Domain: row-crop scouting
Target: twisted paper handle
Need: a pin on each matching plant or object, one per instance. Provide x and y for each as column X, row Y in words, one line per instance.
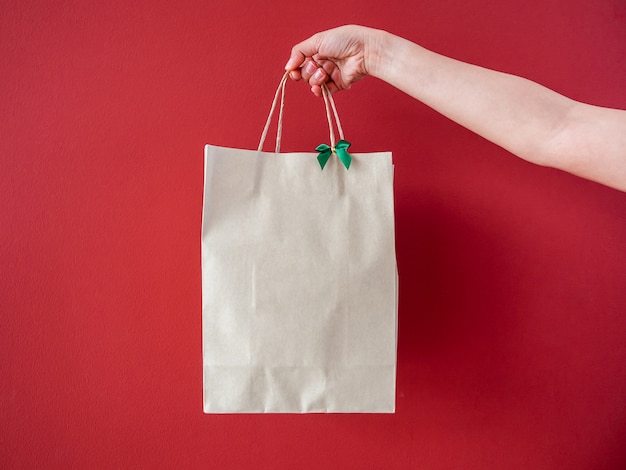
column 339, row 148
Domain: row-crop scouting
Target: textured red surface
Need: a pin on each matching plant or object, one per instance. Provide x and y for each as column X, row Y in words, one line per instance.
column 513, row 277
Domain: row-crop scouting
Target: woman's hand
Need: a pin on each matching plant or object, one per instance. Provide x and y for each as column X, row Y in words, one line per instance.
column 338, row 57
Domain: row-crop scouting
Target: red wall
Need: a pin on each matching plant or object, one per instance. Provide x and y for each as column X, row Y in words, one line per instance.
column 512, row 322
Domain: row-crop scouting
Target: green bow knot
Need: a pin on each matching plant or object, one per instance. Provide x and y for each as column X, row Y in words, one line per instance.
column 340, row 149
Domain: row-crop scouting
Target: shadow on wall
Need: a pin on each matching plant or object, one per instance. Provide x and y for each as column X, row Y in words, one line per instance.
column 456, row 279
column 461, row 302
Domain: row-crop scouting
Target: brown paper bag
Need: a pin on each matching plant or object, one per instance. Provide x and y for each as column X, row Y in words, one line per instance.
column 299, row 280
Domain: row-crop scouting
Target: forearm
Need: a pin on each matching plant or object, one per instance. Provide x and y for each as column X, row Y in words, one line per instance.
column 531, row 121
column 515, row 113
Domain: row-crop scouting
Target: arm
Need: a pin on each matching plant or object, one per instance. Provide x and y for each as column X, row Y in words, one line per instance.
column 527, row 119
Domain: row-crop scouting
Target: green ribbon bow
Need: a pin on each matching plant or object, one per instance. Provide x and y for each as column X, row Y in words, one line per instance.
column 340, row 149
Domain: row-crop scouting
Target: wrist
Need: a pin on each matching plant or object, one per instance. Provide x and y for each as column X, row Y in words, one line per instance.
column 377, row 53
column 397, row 61
column 386, row 54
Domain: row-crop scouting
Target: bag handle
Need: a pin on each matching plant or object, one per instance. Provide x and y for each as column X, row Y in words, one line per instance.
column 280, row 91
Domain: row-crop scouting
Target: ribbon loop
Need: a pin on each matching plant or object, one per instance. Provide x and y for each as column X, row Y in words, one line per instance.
column 341, row 150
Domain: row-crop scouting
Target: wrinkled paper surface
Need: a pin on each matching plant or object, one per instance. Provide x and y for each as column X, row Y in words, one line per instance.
column 299, row 283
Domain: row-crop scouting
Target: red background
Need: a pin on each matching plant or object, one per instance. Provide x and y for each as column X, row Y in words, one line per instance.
column 513, row 300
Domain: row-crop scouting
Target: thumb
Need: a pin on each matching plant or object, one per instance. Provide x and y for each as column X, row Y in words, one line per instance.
column 301, row 51
column 295, row 61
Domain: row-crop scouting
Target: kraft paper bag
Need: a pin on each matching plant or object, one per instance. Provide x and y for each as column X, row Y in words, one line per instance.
column 299, row 279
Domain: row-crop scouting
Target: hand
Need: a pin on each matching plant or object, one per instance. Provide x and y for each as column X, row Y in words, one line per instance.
column 338, row 57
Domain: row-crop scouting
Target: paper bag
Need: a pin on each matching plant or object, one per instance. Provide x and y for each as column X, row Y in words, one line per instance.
column 299, row 280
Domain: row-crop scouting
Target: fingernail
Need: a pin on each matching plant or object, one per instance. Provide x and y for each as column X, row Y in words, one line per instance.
column 290, row 64
column 319, row 75
column 310, row 67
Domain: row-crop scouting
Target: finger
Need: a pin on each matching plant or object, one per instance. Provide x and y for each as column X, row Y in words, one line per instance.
column 332, row 87
column 308, row 70
column 328, row 65
column 333, row 73
column 319, row 77
column 316, row 90
column 301, row 51
column 296, row 59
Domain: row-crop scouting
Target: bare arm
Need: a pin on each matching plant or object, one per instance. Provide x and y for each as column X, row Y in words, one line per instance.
column 527, row 119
